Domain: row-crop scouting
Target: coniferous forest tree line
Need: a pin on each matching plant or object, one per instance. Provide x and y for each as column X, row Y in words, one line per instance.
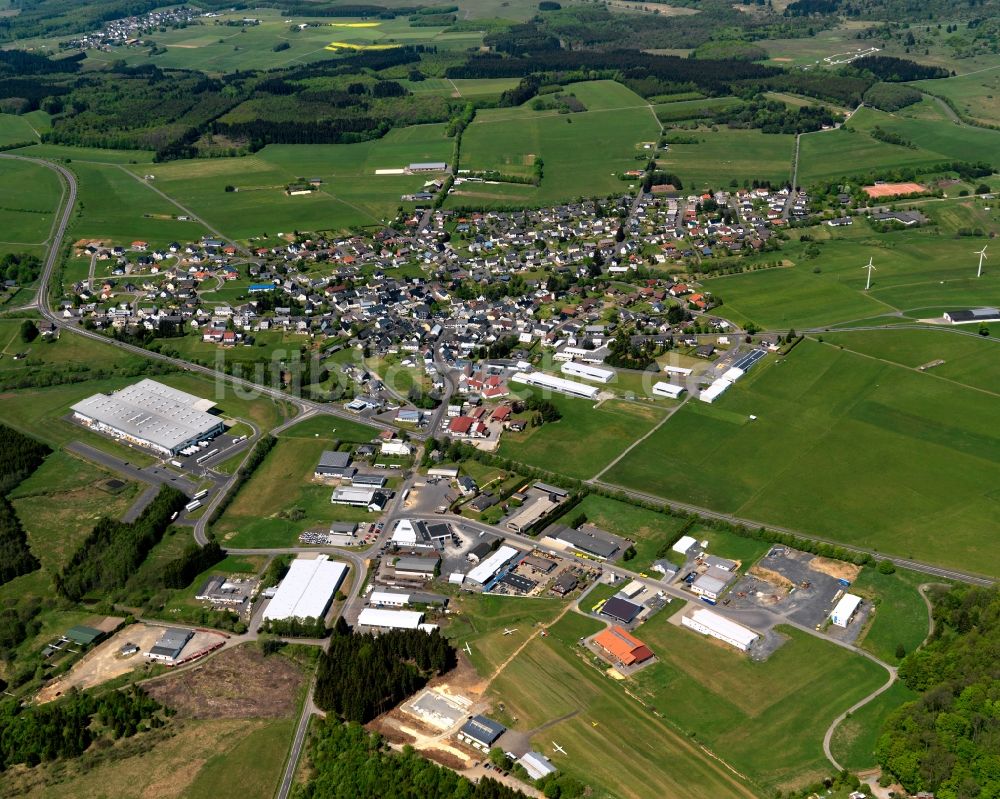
column 363, row 675
column 20, row 455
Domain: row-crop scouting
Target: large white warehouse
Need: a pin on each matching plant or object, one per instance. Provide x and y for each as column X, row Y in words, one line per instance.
column 390, row 619
column 307, row 590
column 553, row 383
column 587, row 372
column 845, row 609
column 714, row 391
column 706, row 622
column 151, row 415
column 489, row 567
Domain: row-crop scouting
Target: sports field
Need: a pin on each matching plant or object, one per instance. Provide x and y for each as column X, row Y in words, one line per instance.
column 351, row 193
column 585, row 439
column 844, row 446
column 919, row 274
column 723, row 699
column 724, row 155
column 31, row 195
column 552, row 683
column 582, row 153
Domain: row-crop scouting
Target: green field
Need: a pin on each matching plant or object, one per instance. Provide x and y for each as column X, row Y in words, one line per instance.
column 60, row 503
column 351, row 194
column 16, row 129
column 261, row 515
column 844, row 446
column 852, row 150
column 900, row 613
column 976, row 96
column 919, row 274
column 63, row 152
column 724, row 155
column 853, row 743
column 586, row 438
column 116, row 206
column 31, row 196
column 583, row 153
column 739, row 708
column 600, row 727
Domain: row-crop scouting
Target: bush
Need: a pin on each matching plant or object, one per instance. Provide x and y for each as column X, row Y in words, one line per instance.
column 886, row 567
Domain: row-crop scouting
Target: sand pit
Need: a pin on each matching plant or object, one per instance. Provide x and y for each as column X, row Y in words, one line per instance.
column 772, row 577
column 894, row 189
column 835, row 568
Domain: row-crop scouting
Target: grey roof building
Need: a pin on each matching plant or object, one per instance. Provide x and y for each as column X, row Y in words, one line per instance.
column 590, row 543
column 621, row 610
column 334, row 464
column 170, row 644
column 481, row 732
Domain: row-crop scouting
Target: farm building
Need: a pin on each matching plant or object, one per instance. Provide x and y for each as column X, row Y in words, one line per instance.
column 622, row 646
column 151, row 415
column 590, row 544
column 707, row 622
column 480, row 732
column 542, row 380
column 334, row 464
column 307, row 590
column 845, row 610
column 370, row 498
column 169, row 645
column 428, row 166
column 670, row 390
column 537, row 765
column 587, row 372
column 621, row 610
column 391, row 619
column 487, row 569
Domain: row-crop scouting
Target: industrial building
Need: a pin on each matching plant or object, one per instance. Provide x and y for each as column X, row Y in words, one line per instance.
column 587, row 372
column 169, row 646
column 487, row 569
column 553, row 383
column 416, row 533
column 712, row 583
column 357, row 497
column 590, row 544
column 622, row 646
column 621, row 610
column 307, row 590
column 428, row 166
column 410, row 567
column 669, row 390
column 391, row 619
column 707, row 622
column 537, row 765
column 334, row 464
column 151, row 415
column 400, row 599
column 480, row 732
column 845, row 610
column 535, row 510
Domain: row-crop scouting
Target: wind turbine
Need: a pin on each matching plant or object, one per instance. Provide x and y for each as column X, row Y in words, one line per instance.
column 982, row 257
column 871, row 268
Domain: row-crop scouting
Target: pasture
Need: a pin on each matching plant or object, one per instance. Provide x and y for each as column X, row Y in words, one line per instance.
column 31, row 196
column 975, row 95
column 117, row 207
column 919, row 274
column 351, row 194
column 585, row 439
column 844, row 446
column 852, row 150
column 722, row 699
column 583, row 153
column 552, row 682
column 724, row 155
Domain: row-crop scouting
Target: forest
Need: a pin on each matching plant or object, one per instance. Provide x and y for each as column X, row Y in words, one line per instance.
column 362, row 675
column 348, row 761
column 20, row 455
column 947, row 741
column 22, row 268
column 113, row 550
column 32, row 734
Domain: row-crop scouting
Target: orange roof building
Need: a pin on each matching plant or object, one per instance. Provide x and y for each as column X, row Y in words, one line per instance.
column 623, row 646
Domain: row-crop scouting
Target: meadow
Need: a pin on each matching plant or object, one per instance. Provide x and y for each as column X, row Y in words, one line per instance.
column 901, row 616
column 552, row 683
column 722, row 699
column 853, row 742
column 725, row 155
column 585, row 439
column 583, row 153
column 351, row 193
column 851, row 150
column 31, row 196
column 919, row 274
column 844, row 446
column 976, row 96
column 97, row 155
column 15, row 129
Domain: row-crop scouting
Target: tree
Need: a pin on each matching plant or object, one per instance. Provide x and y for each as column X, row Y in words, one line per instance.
column 28, row 331
column 629, row 553
column 900, row 651
column 886, row 567
column 984, row 329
